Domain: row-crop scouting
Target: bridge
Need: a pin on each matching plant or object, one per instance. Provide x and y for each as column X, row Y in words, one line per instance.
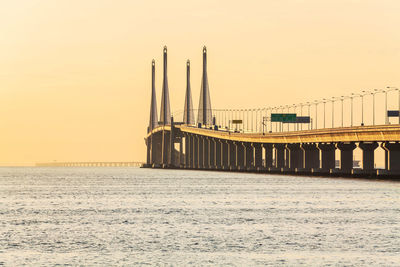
column 90, row 164
column 282, row 139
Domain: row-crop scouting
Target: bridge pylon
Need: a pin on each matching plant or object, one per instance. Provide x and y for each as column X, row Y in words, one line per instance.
column 165, row 113
column 205, row 113
column 188, row 115
column 153, row 104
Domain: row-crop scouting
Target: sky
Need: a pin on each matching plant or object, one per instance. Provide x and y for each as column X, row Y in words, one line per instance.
column 75, row 76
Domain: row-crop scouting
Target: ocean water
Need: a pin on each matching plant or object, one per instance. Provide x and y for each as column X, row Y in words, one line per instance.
column 131, row 216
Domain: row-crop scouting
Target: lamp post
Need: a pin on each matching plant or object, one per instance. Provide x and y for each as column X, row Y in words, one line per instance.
column 324, row 101
column 316, row 114
column 333, row 112
column 398, row 90
column 362, row 106
column 309, row 114
column 295, row 126
column 288, row 111
column 342, row 99
column 301, row 114
column 256, row 121
column 270, row 124
column 351, row 99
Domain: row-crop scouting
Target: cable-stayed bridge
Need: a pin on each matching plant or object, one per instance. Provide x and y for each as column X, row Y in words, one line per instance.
column 306, row 138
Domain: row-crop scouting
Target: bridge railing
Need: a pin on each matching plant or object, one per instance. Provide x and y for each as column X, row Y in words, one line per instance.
column 343, row 111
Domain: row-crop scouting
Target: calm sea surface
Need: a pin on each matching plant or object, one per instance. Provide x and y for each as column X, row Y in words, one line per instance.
column 130, row 216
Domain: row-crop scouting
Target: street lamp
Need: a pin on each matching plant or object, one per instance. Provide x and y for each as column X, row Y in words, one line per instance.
column 324, row 101
column 316, row 114
column 398, row 90
column 288, row 111
column 301, row 114
column 309, row 114
column 295, row 124
column 342, row 99
column 362, row 106
column 333, row 111
column 351, row 99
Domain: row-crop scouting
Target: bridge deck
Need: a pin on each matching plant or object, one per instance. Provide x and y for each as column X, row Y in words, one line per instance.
column 345, row 134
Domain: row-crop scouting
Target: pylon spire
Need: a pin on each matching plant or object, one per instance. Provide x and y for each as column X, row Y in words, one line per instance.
column 165, row 116
column 205, row 113
column 188, row 115
column 153, row 104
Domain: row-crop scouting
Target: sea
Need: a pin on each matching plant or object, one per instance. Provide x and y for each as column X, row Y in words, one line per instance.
column 111, row 216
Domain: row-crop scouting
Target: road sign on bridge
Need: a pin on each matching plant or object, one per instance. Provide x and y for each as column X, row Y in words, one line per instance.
column 283, row 117
column 303, row 119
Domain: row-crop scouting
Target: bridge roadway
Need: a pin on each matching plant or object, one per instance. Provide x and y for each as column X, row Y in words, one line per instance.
column 90, row 164
column 306, row 152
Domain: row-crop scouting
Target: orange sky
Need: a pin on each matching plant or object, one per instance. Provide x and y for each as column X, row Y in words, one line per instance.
column 75, row 75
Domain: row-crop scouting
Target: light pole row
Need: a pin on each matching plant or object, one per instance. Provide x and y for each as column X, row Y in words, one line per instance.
column 254, row 120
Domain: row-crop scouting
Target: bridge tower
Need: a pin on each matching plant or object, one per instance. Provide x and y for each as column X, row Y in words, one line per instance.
column 165, row 113
column 153, row 104
column 205, row 114
column 188, row 115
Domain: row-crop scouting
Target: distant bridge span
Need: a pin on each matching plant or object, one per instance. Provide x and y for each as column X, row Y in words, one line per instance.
column 90, row 164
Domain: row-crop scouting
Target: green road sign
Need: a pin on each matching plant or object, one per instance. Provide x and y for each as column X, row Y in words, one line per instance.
column 283, row 117
column 237, row 121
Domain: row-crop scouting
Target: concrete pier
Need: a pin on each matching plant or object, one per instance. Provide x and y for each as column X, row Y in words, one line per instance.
column 295, row 156
column 268, row 149
column 240, row 155
column 257, row 155
column 392, row 156
column 279, row 155
column 368, row 157
column 310, row 156
column 327, row 156
column 346, row 156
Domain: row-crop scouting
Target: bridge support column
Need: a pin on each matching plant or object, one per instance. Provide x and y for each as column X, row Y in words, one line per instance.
column 181, row 162
column 225, row 155
column 368, row 158
column 187, row 150
column 152, row 148
column 257, row 155
column 211, row 153
column 386, row 158
column 148, row 147
column 195, row 157
column 218, row 154
column 206, row 155
column 295, row 156
column 346, row 156
column 279, row 155
column 248, row 155
column 286, row 163
column 268, row 155
column 171, row 155
column 239, row 155
column 310, row 156
column 232, row 155
column 165, row 149
column 200, row 163
column 327, row 156
column 392, row 157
